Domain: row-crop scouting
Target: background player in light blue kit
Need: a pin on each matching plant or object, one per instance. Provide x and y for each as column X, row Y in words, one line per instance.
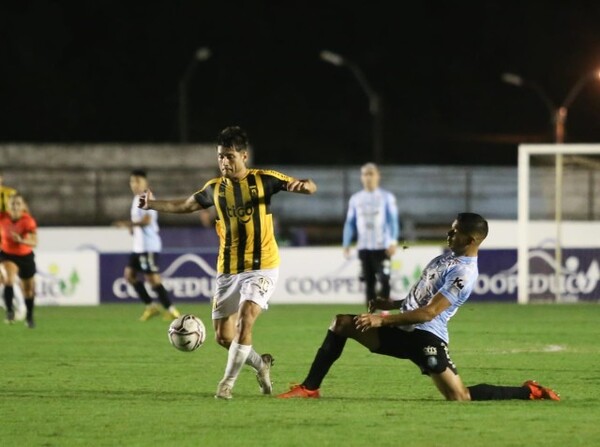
column 420, row 331
column 372, row 218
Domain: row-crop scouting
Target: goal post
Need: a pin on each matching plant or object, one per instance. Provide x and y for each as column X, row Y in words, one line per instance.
column 558, row 214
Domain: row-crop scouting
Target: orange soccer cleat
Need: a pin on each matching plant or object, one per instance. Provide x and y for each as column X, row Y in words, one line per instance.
column 539, row 392
column 299, row 391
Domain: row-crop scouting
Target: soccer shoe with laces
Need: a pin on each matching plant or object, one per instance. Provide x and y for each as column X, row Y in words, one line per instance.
column 171, row 315
column 263, row 376
column 299, row 391
column 223, row 391
column 539, row 392
column 149, row 312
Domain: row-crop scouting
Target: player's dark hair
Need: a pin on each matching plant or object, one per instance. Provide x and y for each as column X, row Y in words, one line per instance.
column 473, row 224
column 233, row 137
column 139, row 173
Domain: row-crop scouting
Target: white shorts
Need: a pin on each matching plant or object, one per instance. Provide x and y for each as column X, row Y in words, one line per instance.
column 256, row 286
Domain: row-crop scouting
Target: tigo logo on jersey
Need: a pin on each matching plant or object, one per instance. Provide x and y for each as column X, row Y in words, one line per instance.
column 242, row 213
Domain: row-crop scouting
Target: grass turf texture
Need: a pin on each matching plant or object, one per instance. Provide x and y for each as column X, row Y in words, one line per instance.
column 97, row 376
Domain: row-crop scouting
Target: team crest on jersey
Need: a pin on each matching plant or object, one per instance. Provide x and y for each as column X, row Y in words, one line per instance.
column 253, row 191
column 222, row 189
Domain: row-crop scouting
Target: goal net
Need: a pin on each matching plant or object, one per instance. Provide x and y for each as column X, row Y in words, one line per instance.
column 558, row 254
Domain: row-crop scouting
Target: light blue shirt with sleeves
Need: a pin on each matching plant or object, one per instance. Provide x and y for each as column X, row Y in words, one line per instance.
column 372, row 218
column 452, row 276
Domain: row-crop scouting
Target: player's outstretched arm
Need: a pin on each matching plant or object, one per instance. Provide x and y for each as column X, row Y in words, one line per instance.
column 178, row 206
column 302, row 186
column 436, row 306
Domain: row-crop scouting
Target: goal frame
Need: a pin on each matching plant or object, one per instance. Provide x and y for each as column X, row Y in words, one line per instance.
column 524, row 158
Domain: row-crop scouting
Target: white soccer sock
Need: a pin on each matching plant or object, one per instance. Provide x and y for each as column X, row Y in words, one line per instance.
column 235, row 360
column 254, row 360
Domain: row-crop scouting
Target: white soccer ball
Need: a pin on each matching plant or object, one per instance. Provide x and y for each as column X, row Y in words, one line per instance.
column 187, row 333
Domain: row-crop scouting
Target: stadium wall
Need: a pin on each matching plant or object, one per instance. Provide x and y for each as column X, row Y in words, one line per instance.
column 83, row 184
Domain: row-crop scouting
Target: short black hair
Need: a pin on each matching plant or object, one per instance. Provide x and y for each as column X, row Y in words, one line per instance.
column 473, row 224
column 233, row 137
column 138, row 173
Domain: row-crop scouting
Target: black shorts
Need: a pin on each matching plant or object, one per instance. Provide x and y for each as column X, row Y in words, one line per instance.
column 144, row 262
column 25, row 263
column 424, row 349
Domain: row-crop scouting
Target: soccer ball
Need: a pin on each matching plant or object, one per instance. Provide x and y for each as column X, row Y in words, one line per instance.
column 187, row 333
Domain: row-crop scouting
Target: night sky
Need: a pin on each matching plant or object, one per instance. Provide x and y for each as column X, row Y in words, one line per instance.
column 108, row 71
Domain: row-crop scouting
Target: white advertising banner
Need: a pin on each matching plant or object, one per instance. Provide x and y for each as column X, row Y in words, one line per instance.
column 323, row 275
column 67, row 278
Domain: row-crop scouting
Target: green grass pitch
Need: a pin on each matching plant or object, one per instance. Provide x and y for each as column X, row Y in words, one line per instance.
column 95, row 376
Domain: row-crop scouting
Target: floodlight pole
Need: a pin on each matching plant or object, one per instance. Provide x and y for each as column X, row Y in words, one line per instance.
column 200, row 55
column 375, row 106
column 558, row 116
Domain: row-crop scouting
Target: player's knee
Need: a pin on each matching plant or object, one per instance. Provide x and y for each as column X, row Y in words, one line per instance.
column 154, row 280
column 131, row 279
column 341, row 323
column 457, row 394
column 223, row 340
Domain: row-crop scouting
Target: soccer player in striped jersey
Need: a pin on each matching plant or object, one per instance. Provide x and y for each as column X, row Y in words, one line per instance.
column 5, row 193
column 248, row 260
column 419, row 332
column 373, row 218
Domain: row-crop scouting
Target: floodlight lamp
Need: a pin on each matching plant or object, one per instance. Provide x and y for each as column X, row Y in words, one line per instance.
column 332, row 58
column 514, row 79
column 202, row 54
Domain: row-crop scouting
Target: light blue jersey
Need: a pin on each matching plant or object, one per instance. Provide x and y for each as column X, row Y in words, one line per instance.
column 454, row 277
column 373, row 217
column 145, row 239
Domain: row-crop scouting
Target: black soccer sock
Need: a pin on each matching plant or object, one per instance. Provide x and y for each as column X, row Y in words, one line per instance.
column 328, row 353
column 383, row 277
column 494, row 392
column 141, row 291
column 29, row 304
column 370, row 289
column 163, row 296
column 9, row 294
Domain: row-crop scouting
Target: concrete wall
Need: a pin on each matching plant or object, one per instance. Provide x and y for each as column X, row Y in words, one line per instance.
column 81, row 184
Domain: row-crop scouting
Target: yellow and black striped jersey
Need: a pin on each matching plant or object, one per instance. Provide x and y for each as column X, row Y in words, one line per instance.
column 244, row 220
column 5, row 193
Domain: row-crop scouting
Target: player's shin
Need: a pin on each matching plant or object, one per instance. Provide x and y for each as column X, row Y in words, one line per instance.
column 328, row 353
column 236, row 358
column 493, row 392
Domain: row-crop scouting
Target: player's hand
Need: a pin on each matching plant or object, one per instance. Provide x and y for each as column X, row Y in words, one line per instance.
column 17, row 237
column 144, row 198
column 364, row 322
column 302, row 186
column 381, row 304
column 391, row 250
column 347, row 252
